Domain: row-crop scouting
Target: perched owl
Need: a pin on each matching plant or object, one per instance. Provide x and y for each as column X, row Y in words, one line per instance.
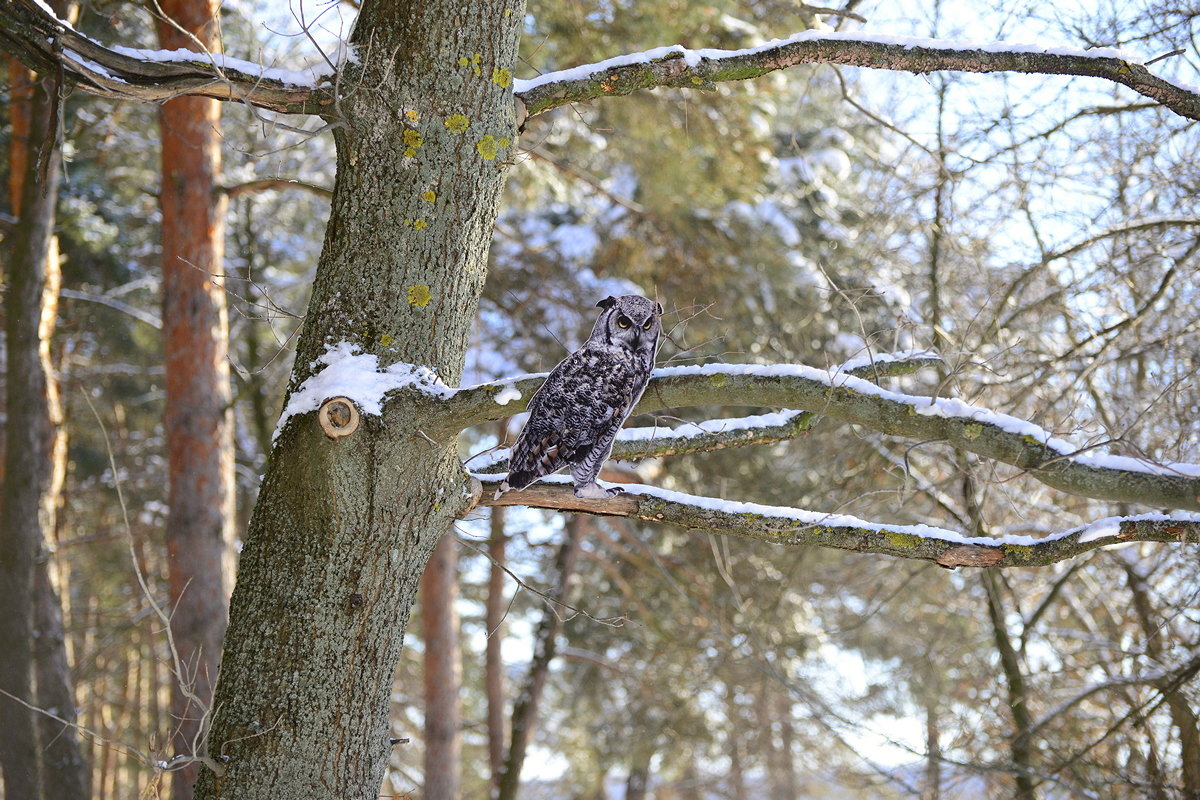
column 575, row 416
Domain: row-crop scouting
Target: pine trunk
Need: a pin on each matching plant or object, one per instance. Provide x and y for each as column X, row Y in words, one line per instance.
column 198, row 422
column 29, row 498
column 493, row 660
column 343, row 528
column 443, row 672
column 528, row 703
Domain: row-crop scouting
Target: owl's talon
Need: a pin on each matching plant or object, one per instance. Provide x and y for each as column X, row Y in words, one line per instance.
column 594, row 492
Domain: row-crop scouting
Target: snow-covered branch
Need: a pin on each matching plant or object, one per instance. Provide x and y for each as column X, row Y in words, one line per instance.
column 793, row 526
column 720, row 434
column 680, row 67
column 1053, row 461
column 487, row 402
column 31, row 33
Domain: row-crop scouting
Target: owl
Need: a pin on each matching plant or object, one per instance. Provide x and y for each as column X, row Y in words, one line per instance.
column 575, row 416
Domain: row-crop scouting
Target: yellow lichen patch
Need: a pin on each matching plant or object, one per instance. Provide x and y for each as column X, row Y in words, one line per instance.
column 502, row 77
column 457, row 123
column 504, row 142
column 1020, row 551
column 419, row 295
column 972, row 432
column 412, row 137
column 429, row 195
column 905, row 540
column 420, row 224
column 412, row 115
column 472, row 62
column 718, row 379
column 387, row 340
column 488, row 147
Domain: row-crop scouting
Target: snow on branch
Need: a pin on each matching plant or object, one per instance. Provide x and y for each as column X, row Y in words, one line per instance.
column 30, row 32
column 793, row 526
column 680, row 67
column 1051, row 460
column 718, row 434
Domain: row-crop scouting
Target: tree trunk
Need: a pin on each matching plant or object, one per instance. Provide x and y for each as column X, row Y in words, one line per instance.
column 66, row 774
column 343, row 529
column 932, row 788
column 1020, row 746
column 525, row 710
column 1183, row 716
column 443, row 672
column 493, row 660
column 198, row 423
column 638, row 780
column 28, row 502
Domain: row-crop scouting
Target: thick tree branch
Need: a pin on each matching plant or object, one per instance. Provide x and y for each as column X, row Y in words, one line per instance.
column 719, row 434
column 43, row 43
column 703, row 69
column 487, row 402
column 1013, row 441
column 791, row 526
column 1003, row 438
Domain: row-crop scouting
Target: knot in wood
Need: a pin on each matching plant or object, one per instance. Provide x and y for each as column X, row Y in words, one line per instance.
column 338, row 417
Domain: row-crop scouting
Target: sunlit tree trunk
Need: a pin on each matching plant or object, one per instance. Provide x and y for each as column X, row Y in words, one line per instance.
column 40, row 756
column 198, row 425
column 443, row 672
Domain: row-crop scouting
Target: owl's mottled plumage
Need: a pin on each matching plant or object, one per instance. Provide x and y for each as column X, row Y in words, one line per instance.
column 575, row 416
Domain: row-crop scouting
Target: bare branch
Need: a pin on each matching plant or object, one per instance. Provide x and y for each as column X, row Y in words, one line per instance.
column 679, row 67
column 265, row 184
column 791, row 526
column 43, row 43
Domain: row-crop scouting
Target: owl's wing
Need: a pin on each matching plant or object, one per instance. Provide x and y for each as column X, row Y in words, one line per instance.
column 543, row 447
column 581, row 404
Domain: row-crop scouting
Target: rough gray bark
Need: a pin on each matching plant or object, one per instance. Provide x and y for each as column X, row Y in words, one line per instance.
column 343, row 529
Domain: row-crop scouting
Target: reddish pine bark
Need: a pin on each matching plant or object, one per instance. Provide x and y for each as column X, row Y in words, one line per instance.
column 493, row 661
column 443, row 672
column 198, row 422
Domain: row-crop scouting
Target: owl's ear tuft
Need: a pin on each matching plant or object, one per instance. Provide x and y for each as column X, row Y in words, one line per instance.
column 658, row 309
column 607, row 302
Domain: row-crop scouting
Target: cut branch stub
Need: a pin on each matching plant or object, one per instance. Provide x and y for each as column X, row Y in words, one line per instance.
column 338, row 417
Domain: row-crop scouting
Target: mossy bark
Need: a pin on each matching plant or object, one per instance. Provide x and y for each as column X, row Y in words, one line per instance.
column 343, row 529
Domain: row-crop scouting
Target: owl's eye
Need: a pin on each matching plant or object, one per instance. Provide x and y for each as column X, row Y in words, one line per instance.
column 623, row 321
column 649, row 322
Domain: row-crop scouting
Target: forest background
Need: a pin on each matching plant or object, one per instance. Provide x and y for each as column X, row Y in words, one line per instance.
column 1037, row 232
